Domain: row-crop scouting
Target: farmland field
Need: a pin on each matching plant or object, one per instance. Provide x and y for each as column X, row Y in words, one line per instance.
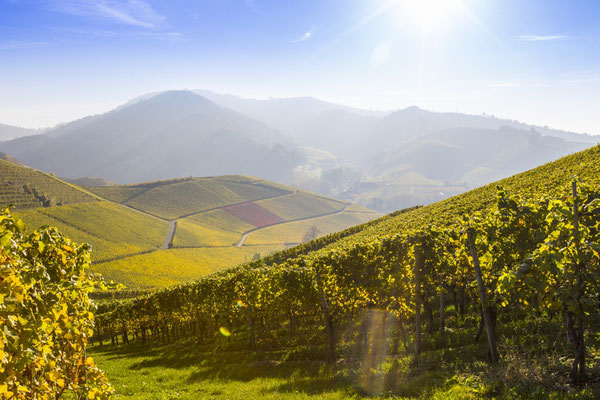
column 178, row 265
column 220, row 219
column 253, row 214
column 194, row 195
column 300, row 205
column 294, row 232
column 111, row 229
column 192, row 234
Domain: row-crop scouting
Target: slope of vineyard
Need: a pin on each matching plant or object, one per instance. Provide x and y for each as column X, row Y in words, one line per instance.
column 127, row 225
column 25, row 188
column 178, row 265
column 303, row 230
column 178, row 198
column 301, row 205
column 490, row 294
column 112, row 230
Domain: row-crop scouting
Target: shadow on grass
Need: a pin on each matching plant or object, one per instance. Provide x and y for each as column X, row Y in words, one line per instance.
column 311, row 377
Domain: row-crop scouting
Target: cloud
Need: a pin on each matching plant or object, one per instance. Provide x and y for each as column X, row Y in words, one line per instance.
column 128, row 12
column 505, row 85
column 306, row 36
column 22, row 44
column 540, row 38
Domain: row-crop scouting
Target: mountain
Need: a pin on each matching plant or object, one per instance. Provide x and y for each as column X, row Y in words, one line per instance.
column 383, row 161
column 175, row 133
column 8, row 132
column 171, row 231
column 406, row 157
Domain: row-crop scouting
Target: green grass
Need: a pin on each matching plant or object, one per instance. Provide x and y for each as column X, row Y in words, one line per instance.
column 26, row 188
column 300, row 205
column 111, row 229
column 189, row 370
column 294, row 232
column 170, row 267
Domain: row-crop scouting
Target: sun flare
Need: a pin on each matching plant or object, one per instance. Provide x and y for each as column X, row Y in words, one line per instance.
column 429, row 14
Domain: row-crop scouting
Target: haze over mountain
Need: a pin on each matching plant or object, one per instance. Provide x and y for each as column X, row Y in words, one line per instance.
column 172, row 134
column 406, row 157
column 8, row 132
column 385, row 161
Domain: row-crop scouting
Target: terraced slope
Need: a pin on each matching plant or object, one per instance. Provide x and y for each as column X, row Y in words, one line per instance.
column 26, row 188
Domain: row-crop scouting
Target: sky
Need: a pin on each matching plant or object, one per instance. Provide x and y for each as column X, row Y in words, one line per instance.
column 537, row 61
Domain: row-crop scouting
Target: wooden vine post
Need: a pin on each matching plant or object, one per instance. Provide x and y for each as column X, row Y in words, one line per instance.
column 489, row 328
column 418, row 268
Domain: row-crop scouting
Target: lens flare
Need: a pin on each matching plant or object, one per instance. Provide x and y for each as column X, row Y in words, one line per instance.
column 224, row 331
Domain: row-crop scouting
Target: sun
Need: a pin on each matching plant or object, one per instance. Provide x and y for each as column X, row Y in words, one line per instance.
column 429, row 15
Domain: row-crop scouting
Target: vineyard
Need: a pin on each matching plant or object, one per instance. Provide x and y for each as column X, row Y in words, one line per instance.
column 113, row 230
column 179, row 198
column 299, row 231
column 126, row 225
column 493, row 293
column 178, row 265
column 25, row 188
column 301, row 205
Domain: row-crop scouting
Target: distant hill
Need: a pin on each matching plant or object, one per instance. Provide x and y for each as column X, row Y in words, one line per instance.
column 171, row 231
column 382, row 161
column 174, row 133
column 406, row 157
column 8, row 132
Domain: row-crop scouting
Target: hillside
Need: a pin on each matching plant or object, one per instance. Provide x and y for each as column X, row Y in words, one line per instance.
column 394, row 303
column 165, row 232
column 25, row 188
column 218, row 222
column 175, row 133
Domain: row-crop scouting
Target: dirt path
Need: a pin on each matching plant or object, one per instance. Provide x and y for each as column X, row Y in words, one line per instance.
column 240, row 243
column 169, row 239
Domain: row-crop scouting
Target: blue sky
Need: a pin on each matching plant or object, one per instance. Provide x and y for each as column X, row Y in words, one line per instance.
column 537, row 60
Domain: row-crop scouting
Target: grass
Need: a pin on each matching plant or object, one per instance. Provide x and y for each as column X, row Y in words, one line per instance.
column 300, row 205
column 178, row 265
column 222, row 370
column 111, row 229
column 294, row 232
